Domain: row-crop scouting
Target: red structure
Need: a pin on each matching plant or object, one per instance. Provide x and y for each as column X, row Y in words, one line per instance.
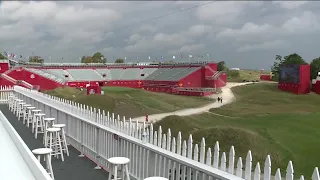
column 316, row 84
column 191, row 79
column 93, row 90
column 265, row 77
column 299, row 84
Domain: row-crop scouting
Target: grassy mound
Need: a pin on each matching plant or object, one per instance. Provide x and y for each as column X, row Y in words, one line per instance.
column 263, row 120
column 248, row 75
column 130, row 102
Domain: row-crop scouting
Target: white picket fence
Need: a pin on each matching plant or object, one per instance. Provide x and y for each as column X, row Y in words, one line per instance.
column 199, row 154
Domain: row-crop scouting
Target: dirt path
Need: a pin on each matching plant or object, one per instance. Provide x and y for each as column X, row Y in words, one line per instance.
column 226, row 95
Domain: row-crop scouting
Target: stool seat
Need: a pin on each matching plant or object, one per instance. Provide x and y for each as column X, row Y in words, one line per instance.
column 22, row 103
column 49, row 119
column 19, row 100
column 42, row 151
column 53, row 129
column 36, row 110
column 58, row 125
column 40, row 114
column 27, row 105
column 31, row 107
column 118, row 160
column 156, row 178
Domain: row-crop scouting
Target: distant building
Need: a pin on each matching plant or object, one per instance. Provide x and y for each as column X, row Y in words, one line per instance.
column 235, row 69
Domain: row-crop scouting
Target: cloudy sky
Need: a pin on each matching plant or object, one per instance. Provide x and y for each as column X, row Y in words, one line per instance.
column 243, row 34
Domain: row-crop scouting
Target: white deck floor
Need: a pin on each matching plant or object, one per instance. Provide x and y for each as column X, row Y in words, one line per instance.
column 12, row 164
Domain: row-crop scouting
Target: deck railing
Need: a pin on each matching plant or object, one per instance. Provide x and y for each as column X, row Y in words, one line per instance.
column 100, row 135
column 34, row 165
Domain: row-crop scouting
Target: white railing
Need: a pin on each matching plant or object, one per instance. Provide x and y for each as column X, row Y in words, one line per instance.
column 34, row 165
column 100, row 136
column 14, row 81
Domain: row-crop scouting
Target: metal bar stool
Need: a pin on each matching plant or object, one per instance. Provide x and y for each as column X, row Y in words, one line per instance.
column 29, row 116
column 46, row 152
column 39, row 124
column 33, row 119
column 48, row 122
column 20, row 110
column 156, row 178
column 123, row 163
column 55, row 142
column 63, row 137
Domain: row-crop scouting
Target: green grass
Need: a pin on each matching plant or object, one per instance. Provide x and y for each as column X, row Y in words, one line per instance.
column 249, row 75
column 263, row 120
column 130, row 102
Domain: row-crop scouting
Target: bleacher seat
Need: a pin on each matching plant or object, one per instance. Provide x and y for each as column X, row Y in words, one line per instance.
column 116, row 73
column 57, row 72
column 85, row 75
column 106, row 72
column 131, row 74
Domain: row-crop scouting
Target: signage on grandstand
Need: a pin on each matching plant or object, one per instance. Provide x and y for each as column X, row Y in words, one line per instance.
column 32, row 76
column 92, row 91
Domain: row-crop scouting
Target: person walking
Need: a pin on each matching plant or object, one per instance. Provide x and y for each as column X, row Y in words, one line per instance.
column 221, row 99
column 218, row 99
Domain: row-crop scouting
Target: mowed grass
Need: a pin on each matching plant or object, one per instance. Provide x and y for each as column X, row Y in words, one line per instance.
column 130, row 102
column 263, row 120
column 248, row 75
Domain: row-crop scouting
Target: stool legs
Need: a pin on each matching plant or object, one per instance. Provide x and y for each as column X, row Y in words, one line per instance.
column 39, row 124
column 48, row 164
column 64, row 141
column 55, row 145
column 125, row 172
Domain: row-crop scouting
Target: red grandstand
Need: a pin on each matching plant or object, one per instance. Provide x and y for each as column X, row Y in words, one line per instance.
column 192, row 79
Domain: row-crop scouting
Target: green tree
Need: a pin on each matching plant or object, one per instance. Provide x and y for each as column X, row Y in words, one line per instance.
column 280, row 61
column 36, row 59
column 314, row 68
column 2, row 56
column 119, row 60
column 96, row 58
column 221, row 66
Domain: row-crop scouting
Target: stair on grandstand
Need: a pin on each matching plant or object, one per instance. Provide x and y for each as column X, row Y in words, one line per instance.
column 84, row 75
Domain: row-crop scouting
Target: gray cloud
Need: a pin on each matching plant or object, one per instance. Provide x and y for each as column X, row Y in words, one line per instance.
column 244, row 34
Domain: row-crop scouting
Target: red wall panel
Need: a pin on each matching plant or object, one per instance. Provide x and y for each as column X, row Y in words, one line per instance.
column 194, row 79
column 4, row 67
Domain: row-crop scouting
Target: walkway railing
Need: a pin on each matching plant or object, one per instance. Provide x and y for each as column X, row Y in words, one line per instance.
column 34, row 165
column 101, row 135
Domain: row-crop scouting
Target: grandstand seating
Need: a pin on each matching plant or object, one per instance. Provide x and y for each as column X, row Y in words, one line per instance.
column 47, row 75
column 84, row 75
column 131, row 74
column 57, row 72
column 155, row 76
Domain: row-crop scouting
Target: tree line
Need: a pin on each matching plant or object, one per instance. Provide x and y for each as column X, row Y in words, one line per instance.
column 294, row 59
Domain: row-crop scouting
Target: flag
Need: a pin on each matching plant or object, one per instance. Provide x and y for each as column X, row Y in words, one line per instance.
column 181, row 56
column 149, row 57
column 173, row 57
column 161, row 57
column 137, row 58
column 6, row 54
column 125, row 58
column 190, row 56
column 20, row 56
